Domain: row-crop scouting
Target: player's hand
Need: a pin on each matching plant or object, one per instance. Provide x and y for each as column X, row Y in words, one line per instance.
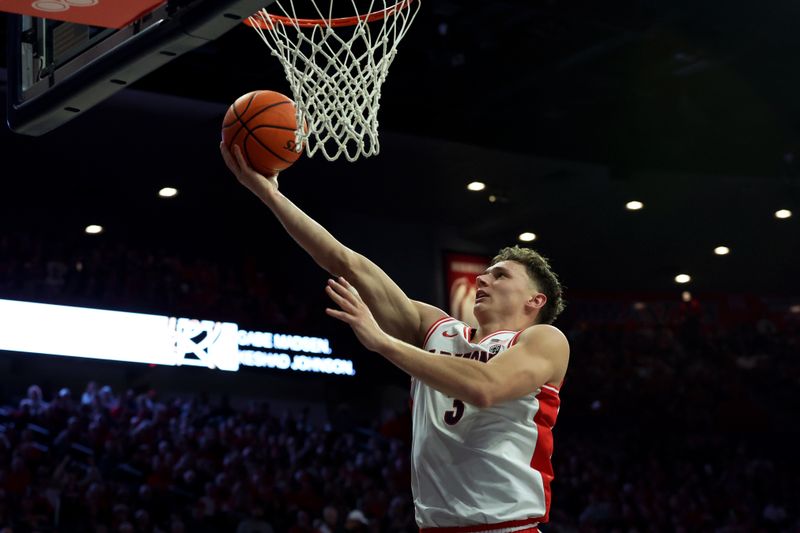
column 257, row 183
column 354, row 312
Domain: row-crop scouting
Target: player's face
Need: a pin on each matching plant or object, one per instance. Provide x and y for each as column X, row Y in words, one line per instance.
column 504, row 289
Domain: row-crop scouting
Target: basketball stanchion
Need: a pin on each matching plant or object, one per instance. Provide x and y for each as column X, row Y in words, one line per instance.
column 336, row 67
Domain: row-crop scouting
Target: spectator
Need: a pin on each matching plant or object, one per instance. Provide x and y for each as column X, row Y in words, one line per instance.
column 255, row 523
column 330, row 521
column 33, row 404
column 356, row 521
column 302, row 523
column 89, row 394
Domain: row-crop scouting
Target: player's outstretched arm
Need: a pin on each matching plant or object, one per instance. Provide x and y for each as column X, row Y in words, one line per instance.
column 394, row 311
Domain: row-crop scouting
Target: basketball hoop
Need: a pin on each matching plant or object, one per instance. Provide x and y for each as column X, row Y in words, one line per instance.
column 336, row 67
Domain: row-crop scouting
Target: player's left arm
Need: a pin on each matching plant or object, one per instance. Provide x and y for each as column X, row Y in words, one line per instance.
column 539, row 356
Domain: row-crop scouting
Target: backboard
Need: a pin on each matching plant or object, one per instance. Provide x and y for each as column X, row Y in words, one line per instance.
column 59, row 69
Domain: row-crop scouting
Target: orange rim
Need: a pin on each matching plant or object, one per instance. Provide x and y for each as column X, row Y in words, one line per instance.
column 332, row 23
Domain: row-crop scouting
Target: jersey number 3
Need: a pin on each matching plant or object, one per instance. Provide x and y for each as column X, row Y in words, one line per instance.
column 452, row 416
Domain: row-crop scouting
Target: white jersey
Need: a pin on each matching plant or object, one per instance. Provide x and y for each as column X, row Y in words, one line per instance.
column 473, row 467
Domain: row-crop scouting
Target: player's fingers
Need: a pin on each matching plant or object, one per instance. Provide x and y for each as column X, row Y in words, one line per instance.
column 346, row 284
column 338, row 298
column 227, row 157
column 243, row 164
column 352, row 293
column 335, row 313
column 348, row 294
column 339, row 288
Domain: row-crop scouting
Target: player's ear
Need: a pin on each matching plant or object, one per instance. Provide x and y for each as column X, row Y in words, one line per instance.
column 536, row 301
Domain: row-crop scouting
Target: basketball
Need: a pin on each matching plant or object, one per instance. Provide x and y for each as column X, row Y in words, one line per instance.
column 263, row 124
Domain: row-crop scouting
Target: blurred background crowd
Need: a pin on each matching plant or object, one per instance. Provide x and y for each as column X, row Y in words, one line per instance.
column 95, row 460
column 681, row 424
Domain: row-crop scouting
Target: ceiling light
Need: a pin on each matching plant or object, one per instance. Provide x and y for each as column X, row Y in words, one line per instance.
column 168, row 192
column 783, row 213
column 795, row 309
column 527, row 236
column 492, row 198
column 683, row 278
column 686, row 296
column 634, row 205
column 639, row 306
column 476, row 186
column 722, row 250
column 94, row 229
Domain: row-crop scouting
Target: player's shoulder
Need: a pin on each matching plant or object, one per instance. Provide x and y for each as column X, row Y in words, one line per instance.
column 430, row 317
column 544, row 335
column 547, row 342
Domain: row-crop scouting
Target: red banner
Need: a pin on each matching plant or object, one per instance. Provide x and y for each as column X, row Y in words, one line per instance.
column 103, row 13
column 461, row 271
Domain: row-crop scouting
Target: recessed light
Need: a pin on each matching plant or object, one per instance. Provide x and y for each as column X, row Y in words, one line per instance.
column 93, row 229
column 722, row 250
column 168, row 192
column 634, row 205
column 476, row 186
column 783, row 213
column 527, row 236
column 683, row 278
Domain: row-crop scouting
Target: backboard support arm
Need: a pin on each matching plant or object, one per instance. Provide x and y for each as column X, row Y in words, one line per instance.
column 37, row 106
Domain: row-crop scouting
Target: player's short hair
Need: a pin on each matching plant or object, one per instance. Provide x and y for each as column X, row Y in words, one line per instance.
column 539, row 270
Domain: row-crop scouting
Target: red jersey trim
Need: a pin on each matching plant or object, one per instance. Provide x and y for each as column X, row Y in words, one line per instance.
column 515, row 339
column 481, row 527
column 543, row 447
column 494, row 333
column 433, row 327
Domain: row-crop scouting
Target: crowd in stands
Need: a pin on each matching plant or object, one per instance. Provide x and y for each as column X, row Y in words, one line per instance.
column 677, row 425
column 103, row 462
column 655, row 434
column 683, row 426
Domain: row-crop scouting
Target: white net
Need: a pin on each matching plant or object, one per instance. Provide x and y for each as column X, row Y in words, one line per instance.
column 336, row 68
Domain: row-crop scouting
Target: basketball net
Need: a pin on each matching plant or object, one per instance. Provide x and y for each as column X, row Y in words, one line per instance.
column 336, row 67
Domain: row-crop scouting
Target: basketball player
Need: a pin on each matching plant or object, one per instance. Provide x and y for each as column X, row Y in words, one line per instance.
column 484, row 400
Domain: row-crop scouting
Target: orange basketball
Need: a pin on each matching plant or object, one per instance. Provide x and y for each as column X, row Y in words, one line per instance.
column 263, row 123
